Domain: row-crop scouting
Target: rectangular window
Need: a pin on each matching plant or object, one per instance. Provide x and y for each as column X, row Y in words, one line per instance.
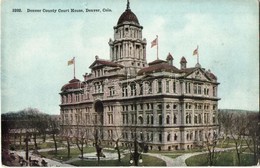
column 124, row 90
column 174, row 86
column 133, row 90
column 195, row 91
column 111, row 91
column 123, row 116
column 214, row 91
column 133, row 118
column 160, row 137
column 141, row 106
column 199, row 89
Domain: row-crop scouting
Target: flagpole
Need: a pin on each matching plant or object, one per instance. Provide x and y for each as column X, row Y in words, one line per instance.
column 74, row 66
column 198, row 54
column 157, row 46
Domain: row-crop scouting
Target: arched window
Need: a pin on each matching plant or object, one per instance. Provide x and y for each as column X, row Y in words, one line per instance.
column 187, row 118
column 175, row 137
column 168, row 119
column 140, row 118
column 147, row 119
column 174, row 119
column 168, row 137
column 160, row 119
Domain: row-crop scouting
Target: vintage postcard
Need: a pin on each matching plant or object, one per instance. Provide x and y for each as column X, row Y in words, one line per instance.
column 130, row 83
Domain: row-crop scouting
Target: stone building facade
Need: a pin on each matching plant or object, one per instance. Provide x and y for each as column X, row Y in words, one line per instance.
column 126, row 98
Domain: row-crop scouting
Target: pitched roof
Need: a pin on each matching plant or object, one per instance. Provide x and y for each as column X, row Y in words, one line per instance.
column 188, row 71
column 158, row 68
column 158, row 61
column 105, row 62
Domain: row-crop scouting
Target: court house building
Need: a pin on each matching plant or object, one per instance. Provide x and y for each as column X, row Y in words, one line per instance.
column 163, row 104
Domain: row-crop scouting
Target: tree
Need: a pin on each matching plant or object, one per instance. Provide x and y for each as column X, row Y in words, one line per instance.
column 238, row 132
column 115, row 136
column 211, row 143
column 66, row 133
column 252, row 132
column 38, row 123
column 81, row 138
column 54, row 129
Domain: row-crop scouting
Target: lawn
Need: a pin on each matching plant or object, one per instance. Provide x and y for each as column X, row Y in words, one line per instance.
column 62, row 154
column 147, row 161
column 223, row 159
column 39, row 145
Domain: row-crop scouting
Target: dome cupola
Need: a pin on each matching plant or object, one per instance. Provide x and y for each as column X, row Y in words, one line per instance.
column 128, row 16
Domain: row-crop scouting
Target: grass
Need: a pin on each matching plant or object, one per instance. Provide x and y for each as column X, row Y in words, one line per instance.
column 62, row 154
column 50, row 145
column 39, row 145
column 223, row 159
column 147, row 161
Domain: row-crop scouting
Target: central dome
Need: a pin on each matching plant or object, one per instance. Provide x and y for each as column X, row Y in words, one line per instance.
column 128, row 16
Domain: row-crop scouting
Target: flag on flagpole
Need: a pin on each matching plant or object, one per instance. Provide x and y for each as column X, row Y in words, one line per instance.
column 70, row 62
column 154, row 42
column 195, row 52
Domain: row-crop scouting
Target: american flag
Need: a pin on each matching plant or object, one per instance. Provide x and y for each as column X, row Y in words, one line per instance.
column 195, row 52
column 154, row 42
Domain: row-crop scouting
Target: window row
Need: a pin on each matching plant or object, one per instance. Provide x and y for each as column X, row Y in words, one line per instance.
column 148, row 120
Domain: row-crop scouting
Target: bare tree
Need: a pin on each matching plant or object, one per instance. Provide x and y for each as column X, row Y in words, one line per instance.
column 66, row 135
column 238, row 132
column 211, row 143
column 116, row 137
column 54, row 129
column 252, row 132
column 81, row 137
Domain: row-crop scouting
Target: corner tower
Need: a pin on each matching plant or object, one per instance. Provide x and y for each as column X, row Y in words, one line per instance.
column 128, row 48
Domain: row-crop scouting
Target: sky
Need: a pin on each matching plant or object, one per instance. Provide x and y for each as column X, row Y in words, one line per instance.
column 36, row 47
